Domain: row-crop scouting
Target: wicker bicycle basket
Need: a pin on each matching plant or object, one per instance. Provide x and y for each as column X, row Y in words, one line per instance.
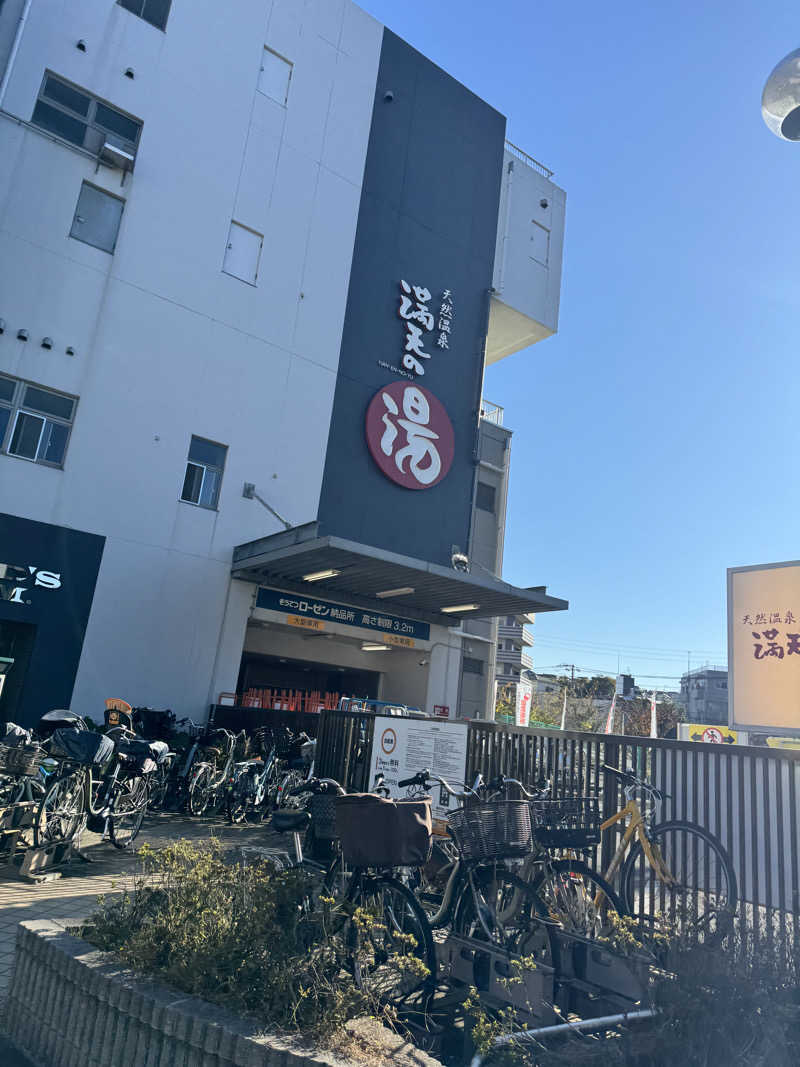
column 496, row 830
column 571, row 822
column 323, row 816
column 22, row 760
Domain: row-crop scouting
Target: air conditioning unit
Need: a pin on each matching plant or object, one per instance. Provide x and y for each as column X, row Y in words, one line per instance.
column 116, row 156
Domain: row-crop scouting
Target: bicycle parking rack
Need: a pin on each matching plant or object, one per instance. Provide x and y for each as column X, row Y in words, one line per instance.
column 39, row 864
column 14, row 818
column 26, row 862
column 469, row 962
column 588, row 973
column 592, row 980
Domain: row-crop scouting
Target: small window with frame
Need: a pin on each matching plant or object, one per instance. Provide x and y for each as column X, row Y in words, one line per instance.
column 470, row 665
column 485, row 497
column 77, row 116
column 156, row 12
column 203, row 478
column 35, row 423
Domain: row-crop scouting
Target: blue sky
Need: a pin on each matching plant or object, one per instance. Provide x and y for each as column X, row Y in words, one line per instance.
column 656, row 436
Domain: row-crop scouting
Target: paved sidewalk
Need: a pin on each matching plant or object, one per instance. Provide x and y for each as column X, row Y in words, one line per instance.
column 73, row 896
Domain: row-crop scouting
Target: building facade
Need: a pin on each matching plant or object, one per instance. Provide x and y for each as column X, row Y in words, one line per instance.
column 252, row 264
column 704, row 694
column 514, row 648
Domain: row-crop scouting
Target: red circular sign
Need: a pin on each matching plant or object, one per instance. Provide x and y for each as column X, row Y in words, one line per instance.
column 388, row 740
column 410, row 435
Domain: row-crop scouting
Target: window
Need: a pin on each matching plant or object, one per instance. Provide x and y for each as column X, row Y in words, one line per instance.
column 79, row 117
column 274, row 76
column 156, row 12
column 97, row 218
column 35, row 423
column 510, row 620
column 243, row 253
column 203, row 473
column 509, row 669
column 472, row 666
column 484, row 497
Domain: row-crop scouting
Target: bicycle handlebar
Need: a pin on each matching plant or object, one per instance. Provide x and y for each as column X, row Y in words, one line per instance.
column 317, row 785
column 424, row 778
column 632, row 781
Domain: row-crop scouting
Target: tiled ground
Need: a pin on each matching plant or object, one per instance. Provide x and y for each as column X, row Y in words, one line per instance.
column 73, row 896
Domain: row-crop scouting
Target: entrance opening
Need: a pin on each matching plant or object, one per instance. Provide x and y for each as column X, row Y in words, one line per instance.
column 16, row 645
column 279, row 680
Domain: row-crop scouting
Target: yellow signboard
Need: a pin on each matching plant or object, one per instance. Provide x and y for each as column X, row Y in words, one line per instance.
column 711, row 734
column 783, row 742
column 394, row 639
column 764, row 647
column 305, row 624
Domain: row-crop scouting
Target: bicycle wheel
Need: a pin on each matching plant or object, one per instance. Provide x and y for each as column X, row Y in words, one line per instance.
column 502, row 909
column 61, row 811
column 388, row 939
column 200, row 791
column 429, row 883
column 578, row 898
column 127, row 811
column 698, row 893
column 158, row 785
column 235, row 805
column 288, row 782
column 11, row 789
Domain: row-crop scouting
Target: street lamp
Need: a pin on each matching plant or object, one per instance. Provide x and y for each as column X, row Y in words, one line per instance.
column 780, row 101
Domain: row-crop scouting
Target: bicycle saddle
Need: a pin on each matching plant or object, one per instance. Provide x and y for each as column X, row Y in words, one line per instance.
column 290, row 822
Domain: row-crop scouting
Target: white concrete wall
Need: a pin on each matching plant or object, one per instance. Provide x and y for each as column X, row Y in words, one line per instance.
column 528, row 257
column 166, row 344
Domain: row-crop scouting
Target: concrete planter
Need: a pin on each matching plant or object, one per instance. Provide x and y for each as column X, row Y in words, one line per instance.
column 71, row 1005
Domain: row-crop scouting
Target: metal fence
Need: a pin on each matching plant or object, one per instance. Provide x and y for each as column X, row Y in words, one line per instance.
column 237, row 718
column 746, row 797
column 515, row 150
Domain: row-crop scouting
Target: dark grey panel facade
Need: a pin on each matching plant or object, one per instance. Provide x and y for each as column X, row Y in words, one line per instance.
column 428, row 215
column 47, row 580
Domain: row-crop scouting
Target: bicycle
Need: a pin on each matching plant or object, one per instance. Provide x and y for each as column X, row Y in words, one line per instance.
column 483, row 898
column 569, row 888
column 674, row 872
column 206, row 783
column 24, row 769
column 114, row 802
column 253, row 784
column 383, row 926
column 176, row 788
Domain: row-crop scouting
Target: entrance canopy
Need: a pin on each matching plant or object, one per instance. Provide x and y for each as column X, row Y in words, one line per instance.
column 302, row 561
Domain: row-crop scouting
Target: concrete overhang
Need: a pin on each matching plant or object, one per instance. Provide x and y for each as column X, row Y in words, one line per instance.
column 363, row 572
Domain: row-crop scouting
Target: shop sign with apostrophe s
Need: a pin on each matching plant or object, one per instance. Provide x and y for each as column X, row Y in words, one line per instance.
column 17, row 582
column 410, row 435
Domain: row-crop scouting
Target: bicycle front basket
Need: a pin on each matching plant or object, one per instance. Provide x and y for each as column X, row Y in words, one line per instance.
column 495, row 830
column 22, row 760
column 323, row 816
column 571, row 822
column 375, row 832
column 81, row 746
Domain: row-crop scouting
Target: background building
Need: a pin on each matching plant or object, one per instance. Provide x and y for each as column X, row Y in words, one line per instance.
column 704, row 695
column 252, row 261
column 514, row 647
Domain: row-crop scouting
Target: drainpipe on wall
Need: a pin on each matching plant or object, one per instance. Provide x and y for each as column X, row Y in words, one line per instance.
column 14, row 49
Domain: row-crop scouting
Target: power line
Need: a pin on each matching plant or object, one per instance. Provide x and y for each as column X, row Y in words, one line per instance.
column 578, row 642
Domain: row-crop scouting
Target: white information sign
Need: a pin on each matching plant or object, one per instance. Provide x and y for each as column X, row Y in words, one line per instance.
column 403, row 747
